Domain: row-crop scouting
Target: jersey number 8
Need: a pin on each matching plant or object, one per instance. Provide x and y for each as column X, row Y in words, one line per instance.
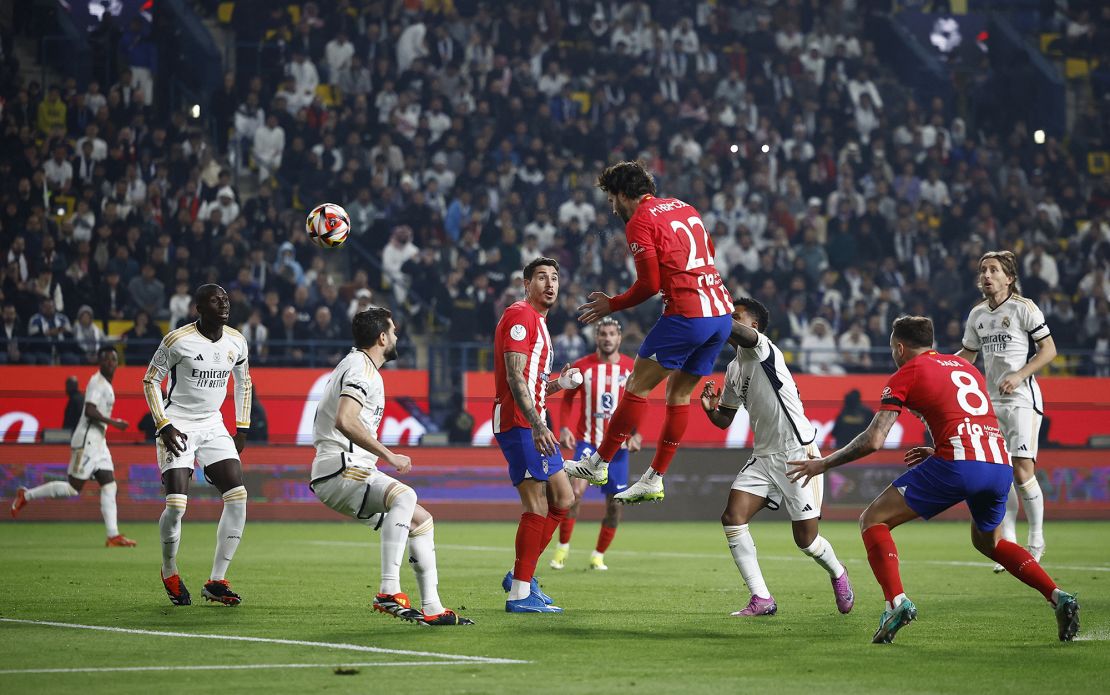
column 966, row 385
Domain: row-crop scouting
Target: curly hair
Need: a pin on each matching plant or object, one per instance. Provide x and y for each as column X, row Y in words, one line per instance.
column 630, row 179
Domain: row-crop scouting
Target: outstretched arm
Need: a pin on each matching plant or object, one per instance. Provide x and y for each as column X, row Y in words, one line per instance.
column 646, row 286
column 867, row 442
column 743, row 336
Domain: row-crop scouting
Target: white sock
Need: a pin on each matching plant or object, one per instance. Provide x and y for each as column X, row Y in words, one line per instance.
column 520, row 590
column 563, row 546
column 1009, row 521
column 594, row 553
column 891, row 605
column 650, row 476
column 395, row 536
column 422, row 556
column 108, row 508
column 230, row 530
column 169, row 528
column 742, row 545
column 822, row 551
column 1033, row 501
column 54, row 490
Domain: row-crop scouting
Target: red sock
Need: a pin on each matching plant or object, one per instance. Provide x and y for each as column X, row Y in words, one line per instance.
column 674, row 426
column 529, row 545
column 555, row 517
column 605, row 537
column 1021, row 564
column 625, row 418
column 883, row 556
column 566, row 529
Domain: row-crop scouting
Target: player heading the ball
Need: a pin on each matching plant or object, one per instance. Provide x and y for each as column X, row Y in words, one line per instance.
column 674, row 255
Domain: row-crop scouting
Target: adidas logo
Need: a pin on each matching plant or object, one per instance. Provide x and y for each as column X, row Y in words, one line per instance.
column 980, row 325
column 1022, row 448
column 198, row 358
column 807, row 508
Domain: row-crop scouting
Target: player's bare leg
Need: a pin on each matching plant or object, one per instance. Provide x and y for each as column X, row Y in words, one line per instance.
column 566, row 529
column 649, row 488
column 646, row 375
column 176, row 483
column 606, row 533
column 886, row 512
column 227, row 476
column 739, row 510
column 1020, row 563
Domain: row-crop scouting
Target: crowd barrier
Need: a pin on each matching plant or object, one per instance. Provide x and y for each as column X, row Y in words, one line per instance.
column 471, row 483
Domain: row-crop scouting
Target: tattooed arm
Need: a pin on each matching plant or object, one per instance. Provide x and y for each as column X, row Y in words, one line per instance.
column 868, row 442
column 545, row 440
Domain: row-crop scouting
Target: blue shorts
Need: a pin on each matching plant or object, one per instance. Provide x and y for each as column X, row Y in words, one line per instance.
column 692, row 345
column 618, row 468
column 524, row 460
column 936, row 484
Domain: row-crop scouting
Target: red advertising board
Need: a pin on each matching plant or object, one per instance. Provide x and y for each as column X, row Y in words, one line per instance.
column 33, row 399
column 1076, row 409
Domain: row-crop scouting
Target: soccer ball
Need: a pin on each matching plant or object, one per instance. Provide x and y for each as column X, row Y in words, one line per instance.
column 328, row 225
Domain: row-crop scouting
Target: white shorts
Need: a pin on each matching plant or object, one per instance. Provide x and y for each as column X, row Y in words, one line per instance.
column 1021, row 427
column 86, row 461
column 765, row 476
column 206, row 446
column 355, row 491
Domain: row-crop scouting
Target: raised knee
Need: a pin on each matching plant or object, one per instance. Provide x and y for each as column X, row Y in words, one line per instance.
column 399, row 493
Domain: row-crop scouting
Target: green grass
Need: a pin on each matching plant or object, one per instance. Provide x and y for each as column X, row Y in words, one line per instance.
column 656, row 622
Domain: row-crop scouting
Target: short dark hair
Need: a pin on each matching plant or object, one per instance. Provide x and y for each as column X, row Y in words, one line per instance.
column 106, row 348
column 367, row 326
column 204, row 291
column 530, row 269
column 914, row 331
column 630, row 179
column 756, row 308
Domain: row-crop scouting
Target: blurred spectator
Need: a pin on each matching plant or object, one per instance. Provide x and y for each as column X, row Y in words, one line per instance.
column 258, row 336
column 327, row 331
column 87, row 335
column 75, row 403
column 819, row 353
column 853, row 419
column 141, row 340
column 147, row 293
column 569, row 345
column 855, row 348
column 51, row 333
column 11, row 330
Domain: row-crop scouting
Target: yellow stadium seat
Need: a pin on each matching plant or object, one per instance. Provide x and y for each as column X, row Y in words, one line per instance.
column 294, row 13
column 1077, row 68
column 224, row 12
column 1098, row 163
column 117, row 327
column 1046, row 42
column 328, row 95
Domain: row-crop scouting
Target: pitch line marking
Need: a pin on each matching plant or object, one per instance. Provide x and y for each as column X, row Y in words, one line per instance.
column 224, row 667
column 272, row 640
column 712, row 556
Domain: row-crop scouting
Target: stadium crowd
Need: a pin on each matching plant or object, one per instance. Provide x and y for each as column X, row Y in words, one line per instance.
column 465, row 142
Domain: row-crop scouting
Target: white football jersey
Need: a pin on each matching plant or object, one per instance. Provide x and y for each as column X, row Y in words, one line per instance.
column 354, row 377
column 198, row 369
column 89, row 434
column 1003, row 336
column 757, row 378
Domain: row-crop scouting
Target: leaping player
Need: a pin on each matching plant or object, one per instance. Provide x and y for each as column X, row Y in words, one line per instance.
column 970, row 464
column 674, row 255
column 1001, row 327
column 604, row 374
column 758, row 379
column 199, row 358
column 522, row 360
column 89, row 455
column 345, row 473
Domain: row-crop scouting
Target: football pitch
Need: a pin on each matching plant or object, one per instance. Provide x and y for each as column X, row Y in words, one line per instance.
column 75, row 616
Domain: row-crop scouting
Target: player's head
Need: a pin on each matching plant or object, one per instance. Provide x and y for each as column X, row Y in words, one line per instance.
column 608, row 336
column 374, row 328
column 541, row 282
column 213, row 305
column 625, row 183
column 108, row 359
column 998, row 270
column 909, row 337
column 751, row 312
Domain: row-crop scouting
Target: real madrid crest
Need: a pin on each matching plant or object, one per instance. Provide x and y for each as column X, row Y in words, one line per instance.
column 1006, row 322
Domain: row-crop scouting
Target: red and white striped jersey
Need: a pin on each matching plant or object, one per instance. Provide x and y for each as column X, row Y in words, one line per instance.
column 673, row 232
column 601, row 390
column 951, row 396
column 521, row 329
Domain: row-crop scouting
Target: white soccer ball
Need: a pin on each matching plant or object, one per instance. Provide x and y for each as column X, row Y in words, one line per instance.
column 328, row 225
